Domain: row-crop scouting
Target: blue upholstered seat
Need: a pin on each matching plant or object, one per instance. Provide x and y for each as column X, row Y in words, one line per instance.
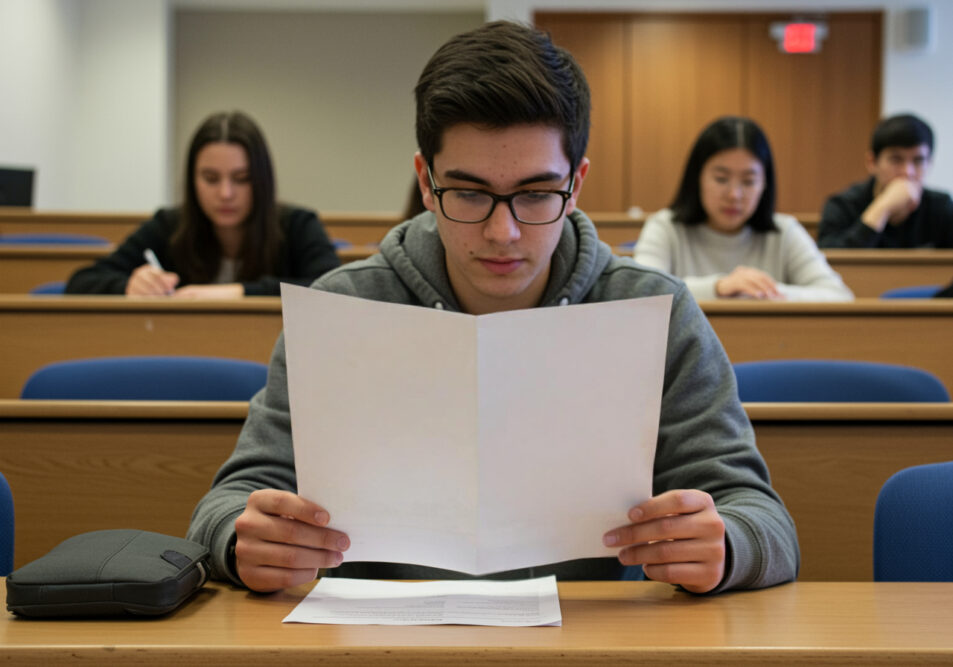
column 148, row 378
column 6, row 528
column 915, row 292
column 822, row 380
column 52, row 238
column 53, row 287
column 913, row 525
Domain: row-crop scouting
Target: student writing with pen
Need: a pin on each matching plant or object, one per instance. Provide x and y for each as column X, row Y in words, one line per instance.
column 229, row 238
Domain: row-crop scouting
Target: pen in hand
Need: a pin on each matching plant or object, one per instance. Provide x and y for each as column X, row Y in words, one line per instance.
column 153, row 261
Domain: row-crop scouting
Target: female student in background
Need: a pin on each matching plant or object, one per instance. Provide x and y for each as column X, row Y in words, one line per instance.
column 721, row 234
column 229, row 238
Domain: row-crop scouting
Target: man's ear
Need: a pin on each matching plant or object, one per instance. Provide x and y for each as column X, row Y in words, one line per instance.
column 581, row 172
column 870, row 162
column 423, row 182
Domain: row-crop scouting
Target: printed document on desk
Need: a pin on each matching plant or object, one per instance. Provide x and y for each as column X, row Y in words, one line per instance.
column 474, row 443
column 344, row 601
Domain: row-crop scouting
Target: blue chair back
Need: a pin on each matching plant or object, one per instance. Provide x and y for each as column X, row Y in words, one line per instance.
column 6, row 528
column 830, row 381
column 147, row 379
column 915, row 292
column 52, row 239
column 913, row 525
column 54, row 287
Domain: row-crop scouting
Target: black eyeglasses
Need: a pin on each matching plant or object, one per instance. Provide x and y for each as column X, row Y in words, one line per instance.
column 531, row 207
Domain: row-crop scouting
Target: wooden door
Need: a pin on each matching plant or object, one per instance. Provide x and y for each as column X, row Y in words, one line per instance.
column 665, row 76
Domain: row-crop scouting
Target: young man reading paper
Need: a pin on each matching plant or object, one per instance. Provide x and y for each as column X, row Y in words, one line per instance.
column 502, row 126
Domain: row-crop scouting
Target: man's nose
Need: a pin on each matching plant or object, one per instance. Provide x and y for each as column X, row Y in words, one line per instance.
column 501, row 226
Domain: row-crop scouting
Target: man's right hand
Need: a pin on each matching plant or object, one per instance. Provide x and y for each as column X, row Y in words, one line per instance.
column 283, row 540
column 899, row 198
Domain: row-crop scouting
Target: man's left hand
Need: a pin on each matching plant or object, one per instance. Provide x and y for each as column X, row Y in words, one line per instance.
column 678, row 537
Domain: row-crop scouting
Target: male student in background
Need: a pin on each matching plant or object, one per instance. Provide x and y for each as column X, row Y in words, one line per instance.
column 502, row 126
column 891, row 209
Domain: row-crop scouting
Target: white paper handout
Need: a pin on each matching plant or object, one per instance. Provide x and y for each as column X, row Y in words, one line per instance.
column 366, row 601
column 474, row 443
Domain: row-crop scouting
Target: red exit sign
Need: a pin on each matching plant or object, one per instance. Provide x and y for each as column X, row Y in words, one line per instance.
column 799, row 36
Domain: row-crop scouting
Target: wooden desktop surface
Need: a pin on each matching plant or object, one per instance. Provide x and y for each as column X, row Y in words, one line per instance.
column 76, row 466
column 603, row 623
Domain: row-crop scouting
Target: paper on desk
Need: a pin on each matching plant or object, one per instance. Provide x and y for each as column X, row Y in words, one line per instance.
column 365, row 601
column 475, row 444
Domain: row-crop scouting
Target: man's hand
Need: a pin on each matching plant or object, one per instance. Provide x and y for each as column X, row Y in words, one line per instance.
column 149, row 281
column 749, row 282
column 894, row 204
column 283, row 541
column 678, row 537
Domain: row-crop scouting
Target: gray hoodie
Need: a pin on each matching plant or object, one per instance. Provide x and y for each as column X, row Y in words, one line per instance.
column 705, row 440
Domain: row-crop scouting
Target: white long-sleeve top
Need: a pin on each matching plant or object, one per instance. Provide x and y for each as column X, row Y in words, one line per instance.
column 702, row 256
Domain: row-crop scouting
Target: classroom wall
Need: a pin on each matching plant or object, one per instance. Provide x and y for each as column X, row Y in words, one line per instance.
column 36, row 46
column 333, row 93
column 85, row 100
column 89, row 98
column 912, row 80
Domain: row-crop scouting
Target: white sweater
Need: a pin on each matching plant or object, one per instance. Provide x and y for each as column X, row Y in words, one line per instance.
column 701, row 256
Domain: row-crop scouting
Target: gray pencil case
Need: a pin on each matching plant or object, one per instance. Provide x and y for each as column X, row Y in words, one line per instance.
column 107, row 573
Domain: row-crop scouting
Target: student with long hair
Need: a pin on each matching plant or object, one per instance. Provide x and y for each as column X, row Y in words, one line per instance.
column 229, row 238
column 722, row 236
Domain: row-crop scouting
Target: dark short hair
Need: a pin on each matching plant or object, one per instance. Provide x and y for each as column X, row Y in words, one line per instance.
column 726, row 133
column 905, row 131
column 194, row 245
column 499, row 75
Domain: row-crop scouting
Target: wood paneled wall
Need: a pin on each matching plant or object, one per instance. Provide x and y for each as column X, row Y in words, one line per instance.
column 658, row 79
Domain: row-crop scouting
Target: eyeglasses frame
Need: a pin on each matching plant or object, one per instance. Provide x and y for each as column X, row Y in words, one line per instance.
column 508, row 198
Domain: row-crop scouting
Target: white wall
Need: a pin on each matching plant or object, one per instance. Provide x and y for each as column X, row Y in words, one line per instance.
column 36, row 80
column 918, row 82
column 120, row 149
column 86, row 100
column 332, row 92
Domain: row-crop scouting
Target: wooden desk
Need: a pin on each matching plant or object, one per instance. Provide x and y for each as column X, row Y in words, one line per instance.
column 113, row 227
column 24, row 267
column 39, row 330
column 604, row 623
column 828, row 462
column 360, row 228
column 76, row 466
column 901, row 331
column 869, row 273
column 357, row 227
column 616, row 228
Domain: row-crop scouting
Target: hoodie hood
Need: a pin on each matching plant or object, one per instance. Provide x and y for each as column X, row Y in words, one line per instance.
column 415, row 253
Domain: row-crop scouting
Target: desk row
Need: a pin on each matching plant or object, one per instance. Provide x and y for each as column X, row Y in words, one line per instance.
column 358, row 228
column 868, row 273
column 35, row 331
column 80, row 466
